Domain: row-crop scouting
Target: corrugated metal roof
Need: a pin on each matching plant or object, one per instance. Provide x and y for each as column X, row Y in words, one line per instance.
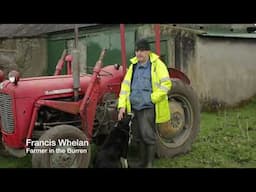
column 30, row 30
column 235, row 28
column 231, row 35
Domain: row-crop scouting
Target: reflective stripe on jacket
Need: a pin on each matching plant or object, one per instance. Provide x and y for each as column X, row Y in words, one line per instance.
column 161, row 84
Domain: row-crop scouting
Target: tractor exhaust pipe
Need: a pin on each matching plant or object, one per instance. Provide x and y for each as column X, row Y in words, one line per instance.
column 158, row 39
column 76, row 66
column 123, row 47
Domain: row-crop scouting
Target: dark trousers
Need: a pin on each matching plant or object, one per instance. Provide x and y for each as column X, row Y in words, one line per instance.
column 143, row 126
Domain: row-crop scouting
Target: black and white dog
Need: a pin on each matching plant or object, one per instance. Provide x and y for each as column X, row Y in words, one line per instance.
column 113, row 153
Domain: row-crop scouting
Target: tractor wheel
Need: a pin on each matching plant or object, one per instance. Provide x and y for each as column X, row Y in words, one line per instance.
column 176, row 136
column 69, row 148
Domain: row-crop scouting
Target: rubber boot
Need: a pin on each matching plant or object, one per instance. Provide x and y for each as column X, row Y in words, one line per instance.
column 149, row 156
column 142, row 156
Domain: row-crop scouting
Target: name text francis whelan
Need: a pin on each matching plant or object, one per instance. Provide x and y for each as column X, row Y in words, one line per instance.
column 58, row 142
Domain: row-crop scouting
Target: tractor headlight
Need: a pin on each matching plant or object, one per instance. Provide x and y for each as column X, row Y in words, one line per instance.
column 1, row 85
column 14, row 77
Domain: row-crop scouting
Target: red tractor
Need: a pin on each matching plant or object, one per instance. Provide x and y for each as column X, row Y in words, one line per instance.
column 57, row 118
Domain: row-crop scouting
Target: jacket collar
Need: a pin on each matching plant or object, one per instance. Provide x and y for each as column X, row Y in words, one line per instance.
column 152, row 57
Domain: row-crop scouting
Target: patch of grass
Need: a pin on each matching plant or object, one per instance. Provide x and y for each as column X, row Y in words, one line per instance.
column 12, row 162
column 227, row 139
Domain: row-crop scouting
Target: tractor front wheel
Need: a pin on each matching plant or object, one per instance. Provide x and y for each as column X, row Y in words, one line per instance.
column 67, row 147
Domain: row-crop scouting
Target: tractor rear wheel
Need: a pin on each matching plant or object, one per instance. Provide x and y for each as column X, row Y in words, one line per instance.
column 176, row 136
column 69, row 148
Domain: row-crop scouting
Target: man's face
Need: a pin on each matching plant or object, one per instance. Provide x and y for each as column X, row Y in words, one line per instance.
column 142, row 55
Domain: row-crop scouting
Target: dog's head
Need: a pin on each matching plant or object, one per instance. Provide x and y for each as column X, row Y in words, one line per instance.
column 125, row 123
column 119, row 134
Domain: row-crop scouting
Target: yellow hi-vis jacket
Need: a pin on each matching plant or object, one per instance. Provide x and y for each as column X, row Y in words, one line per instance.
column 161, row 84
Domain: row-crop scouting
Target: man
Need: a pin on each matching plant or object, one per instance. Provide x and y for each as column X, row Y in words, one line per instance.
column 144, row 92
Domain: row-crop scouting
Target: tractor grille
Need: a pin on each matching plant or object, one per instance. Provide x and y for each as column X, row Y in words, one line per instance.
column 6, row 113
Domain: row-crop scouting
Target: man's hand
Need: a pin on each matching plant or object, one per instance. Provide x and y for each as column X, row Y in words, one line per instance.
column 121, row 113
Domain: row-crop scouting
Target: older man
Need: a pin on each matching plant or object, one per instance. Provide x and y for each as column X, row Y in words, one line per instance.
column 144, row 92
